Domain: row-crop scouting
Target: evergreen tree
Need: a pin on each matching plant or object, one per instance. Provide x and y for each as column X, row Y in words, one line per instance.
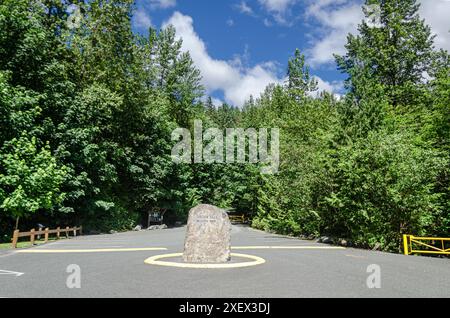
column 299, row 82
column 395, row 52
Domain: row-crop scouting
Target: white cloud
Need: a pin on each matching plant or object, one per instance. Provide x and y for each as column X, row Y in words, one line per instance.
column 141, row 20
column 267, row 23
column 243, row 7
column 436, row 14
column 252, row 82
column 327, row 86
column 230, row 22
column 332, row 87
column 279, row 6
column 235, row 81
column 337, row 18
column 279, row 9
column 217, row 102
column 163, row 4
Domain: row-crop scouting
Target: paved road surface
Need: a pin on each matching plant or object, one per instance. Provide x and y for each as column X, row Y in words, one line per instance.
column 311, row 272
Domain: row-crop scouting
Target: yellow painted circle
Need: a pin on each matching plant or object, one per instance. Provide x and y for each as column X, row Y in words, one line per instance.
column 156, row 260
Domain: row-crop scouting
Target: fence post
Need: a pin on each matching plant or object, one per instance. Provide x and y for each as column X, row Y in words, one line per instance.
column 405, row 244
column 67, row 232
column 81, row 230
column 15, row 239
column 46, row 235
column 58, row 231
column 32, row 237
column 74, row 232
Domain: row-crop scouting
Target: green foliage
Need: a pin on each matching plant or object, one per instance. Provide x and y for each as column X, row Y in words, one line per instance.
column 382, row 188
column 19, row 109
column 30, row 179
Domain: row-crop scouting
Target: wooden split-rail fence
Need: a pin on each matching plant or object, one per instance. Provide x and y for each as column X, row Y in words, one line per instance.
column 33, row 233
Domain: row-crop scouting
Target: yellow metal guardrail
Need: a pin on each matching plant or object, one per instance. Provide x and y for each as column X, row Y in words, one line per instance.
column 426, row 245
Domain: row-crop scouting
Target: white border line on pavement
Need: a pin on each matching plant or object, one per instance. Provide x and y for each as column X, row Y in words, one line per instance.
column 4, row 272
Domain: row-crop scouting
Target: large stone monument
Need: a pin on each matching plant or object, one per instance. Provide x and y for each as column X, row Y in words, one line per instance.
column 208, row 236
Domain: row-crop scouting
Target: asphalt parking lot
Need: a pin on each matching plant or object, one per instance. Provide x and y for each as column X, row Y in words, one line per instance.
column 113, row 266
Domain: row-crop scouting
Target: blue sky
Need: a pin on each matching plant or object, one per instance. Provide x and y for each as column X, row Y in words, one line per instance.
column 241, row 46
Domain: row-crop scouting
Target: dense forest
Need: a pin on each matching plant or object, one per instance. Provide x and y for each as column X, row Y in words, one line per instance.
column 88, row 107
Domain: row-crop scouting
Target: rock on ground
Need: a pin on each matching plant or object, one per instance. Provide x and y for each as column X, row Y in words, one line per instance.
column 208, row 235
